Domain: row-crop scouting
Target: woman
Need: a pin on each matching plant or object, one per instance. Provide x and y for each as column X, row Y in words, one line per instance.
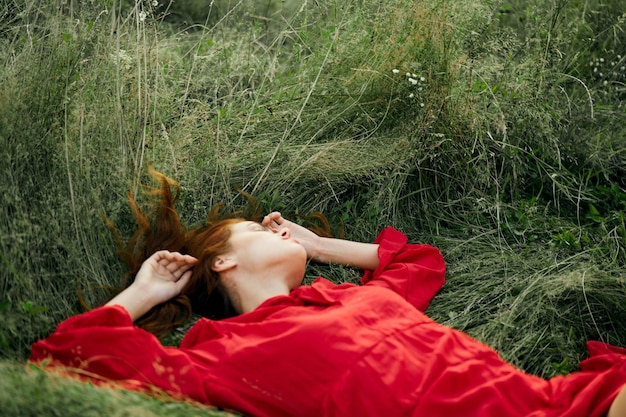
column 318, row 350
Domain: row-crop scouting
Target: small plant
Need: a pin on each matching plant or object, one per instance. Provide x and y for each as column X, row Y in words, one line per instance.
column 415, row 88
column 608, row 76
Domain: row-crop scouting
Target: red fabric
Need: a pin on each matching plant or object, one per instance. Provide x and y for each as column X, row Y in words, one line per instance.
column 337, row 350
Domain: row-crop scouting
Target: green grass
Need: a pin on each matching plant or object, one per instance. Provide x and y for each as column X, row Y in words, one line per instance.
column 35, row 393
column 506, row 152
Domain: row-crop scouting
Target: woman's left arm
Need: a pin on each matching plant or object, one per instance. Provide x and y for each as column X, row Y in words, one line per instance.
column 415, row 271
column 324, row 249
column 346, row 252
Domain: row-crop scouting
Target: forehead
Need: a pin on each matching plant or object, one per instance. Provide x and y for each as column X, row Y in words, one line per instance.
column 243, row 226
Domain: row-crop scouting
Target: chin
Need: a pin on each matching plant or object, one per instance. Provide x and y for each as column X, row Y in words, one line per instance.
column 299, row 276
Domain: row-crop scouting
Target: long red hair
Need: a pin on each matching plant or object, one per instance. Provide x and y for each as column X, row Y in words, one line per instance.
column 160, row 229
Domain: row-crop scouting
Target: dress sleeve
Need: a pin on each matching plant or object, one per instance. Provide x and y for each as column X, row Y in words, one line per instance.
column 415, row 271
column 102, row 345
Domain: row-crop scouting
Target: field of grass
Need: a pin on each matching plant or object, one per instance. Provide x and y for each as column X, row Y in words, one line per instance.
column 495, row 131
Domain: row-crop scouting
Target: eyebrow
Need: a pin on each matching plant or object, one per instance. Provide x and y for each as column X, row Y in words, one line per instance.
column 252, row 225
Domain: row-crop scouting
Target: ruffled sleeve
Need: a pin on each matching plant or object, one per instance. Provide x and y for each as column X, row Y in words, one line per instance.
column 415, row 271
column 603, row 356
column 102, row 345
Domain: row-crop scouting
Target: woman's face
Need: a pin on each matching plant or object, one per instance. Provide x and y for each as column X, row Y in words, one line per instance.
column 259, row 249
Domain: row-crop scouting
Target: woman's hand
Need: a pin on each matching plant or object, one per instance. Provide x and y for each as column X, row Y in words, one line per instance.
column 161, row 277
column 164, row 274
column 309, row 240
column 327, row 249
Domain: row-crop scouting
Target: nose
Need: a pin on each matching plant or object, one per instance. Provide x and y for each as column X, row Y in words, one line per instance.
column 284, row 233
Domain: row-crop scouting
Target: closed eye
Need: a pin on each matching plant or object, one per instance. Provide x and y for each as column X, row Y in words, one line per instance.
column 257, row 227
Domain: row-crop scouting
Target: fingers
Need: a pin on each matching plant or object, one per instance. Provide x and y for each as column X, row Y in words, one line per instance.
column 272, row 217
column 175, row 263
column 171, row 259
column 184, row 279
column 273, row 220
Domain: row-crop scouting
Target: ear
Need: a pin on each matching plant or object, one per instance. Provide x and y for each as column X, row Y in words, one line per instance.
column 223, row 263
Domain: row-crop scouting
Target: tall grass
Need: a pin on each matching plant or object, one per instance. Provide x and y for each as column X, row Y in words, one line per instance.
column 498, row 137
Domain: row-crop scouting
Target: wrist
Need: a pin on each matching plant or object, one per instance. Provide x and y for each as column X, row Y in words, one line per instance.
column 316, row 249
column 136, row 299
column 324, row 248
column 143, row 294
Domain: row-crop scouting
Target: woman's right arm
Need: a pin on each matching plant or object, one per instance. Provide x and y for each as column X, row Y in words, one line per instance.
column 103, row 344
column 161, row 278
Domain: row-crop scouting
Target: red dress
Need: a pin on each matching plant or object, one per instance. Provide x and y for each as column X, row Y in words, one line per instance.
column 336, row 350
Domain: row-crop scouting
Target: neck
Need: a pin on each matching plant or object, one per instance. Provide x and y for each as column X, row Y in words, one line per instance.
column 248, row 291
column 250, row 298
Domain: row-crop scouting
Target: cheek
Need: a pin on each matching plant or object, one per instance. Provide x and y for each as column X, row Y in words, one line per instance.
column 289, row 253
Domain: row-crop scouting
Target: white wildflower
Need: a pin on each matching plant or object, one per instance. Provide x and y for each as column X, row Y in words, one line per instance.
column 412, row 81
column 422, row 79
column 408, row 74
column 395, row 71
column 421, row 104
column 411, row 95
column 155, row 3
column 122, row 58
column 142, row 16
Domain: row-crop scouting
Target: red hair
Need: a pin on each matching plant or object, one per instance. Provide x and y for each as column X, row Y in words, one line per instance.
column 162, row 229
